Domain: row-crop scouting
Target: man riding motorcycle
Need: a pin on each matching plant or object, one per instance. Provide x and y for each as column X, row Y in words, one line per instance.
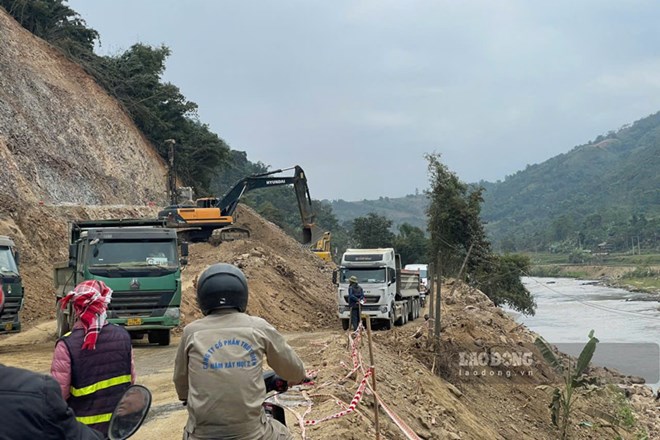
column 218, row 366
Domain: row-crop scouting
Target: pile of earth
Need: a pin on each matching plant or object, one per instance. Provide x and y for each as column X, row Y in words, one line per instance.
column 289, row 285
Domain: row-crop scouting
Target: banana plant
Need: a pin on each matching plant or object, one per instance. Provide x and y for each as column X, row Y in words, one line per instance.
column 563, row 399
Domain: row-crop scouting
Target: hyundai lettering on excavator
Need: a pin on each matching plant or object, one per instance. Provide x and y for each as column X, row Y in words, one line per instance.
column 212, row 219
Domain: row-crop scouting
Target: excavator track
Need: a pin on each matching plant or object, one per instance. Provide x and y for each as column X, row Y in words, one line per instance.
column 229, row 233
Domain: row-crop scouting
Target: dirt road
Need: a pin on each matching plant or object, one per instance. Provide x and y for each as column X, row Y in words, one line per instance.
column 154, row 365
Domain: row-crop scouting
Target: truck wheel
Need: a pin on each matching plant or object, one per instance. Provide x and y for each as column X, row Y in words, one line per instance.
column 62, row 322
column 345, row 323
column 160, row 337
column 411, row 312
column 399, row 320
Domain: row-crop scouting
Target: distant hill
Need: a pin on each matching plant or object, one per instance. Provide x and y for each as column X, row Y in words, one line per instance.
column 607, row 190
column 409, row 209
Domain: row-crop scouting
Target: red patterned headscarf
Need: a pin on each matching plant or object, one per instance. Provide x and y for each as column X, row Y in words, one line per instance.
column 90, row 301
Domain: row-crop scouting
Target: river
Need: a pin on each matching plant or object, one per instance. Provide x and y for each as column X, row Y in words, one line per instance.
column 628, row 329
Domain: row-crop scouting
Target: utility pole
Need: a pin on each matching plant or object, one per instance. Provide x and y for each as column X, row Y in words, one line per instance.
column 171, row 176
column 429, row 294
column 436, row 329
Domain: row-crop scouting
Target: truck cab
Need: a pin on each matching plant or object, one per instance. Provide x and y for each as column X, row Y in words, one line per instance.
column 140, row 261
column 376, row 272
column 11, row 286
column 388, row 300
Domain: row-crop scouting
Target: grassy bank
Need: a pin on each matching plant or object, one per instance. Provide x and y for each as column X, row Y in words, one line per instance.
column 632, row 272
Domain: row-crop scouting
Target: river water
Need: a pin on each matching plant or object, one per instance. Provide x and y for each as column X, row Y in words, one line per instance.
column 628, row 329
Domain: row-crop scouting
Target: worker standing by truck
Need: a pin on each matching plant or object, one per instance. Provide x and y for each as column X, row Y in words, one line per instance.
column 355, row 300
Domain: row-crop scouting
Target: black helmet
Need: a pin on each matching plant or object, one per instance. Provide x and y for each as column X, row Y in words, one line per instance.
column 222, row 286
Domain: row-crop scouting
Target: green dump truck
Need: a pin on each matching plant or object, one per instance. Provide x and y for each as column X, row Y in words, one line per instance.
column 11, row 285
column 140, row 260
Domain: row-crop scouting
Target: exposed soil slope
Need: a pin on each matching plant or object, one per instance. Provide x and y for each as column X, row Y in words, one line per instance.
column 289, row 285
column 62, row 138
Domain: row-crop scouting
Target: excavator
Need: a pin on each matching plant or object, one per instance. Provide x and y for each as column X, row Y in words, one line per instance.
column 322, row 247
column 212, row 219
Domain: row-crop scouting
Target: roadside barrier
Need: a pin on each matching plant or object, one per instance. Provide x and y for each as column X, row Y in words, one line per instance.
column 364, row 386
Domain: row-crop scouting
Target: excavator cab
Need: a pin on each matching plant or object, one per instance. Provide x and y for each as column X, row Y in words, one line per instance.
column 207, row 202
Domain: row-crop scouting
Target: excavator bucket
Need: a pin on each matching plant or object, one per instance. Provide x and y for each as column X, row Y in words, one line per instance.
column 307, row 235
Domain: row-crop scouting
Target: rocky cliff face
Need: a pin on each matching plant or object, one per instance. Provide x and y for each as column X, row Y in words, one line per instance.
column 67, row 151
column 62, row 138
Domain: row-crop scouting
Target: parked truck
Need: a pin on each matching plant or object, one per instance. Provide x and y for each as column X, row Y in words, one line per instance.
column 391, row 297
column 140, row 260
column 422, row 269
column 11, row 286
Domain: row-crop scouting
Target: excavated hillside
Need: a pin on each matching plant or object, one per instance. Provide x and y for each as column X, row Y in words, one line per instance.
column 63, row 142
column 62, row 138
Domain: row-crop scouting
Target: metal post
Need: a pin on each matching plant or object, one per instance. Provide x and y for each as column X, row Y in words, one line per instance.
column 373, row 376
column 171, row 175
column 436, row 329
column 429, row 295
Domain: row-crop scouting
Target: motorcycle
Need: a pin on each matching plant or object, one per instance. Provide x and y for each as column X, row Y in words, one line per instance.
column 130, row 412
column 276, row 384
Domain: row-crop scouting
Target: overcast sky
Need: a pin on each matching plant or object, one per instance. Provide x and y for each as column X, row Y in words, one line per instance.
column 356, row 92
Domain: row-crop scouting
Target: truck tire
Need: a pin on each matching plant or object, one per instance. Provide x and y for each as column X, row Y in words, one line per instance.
column 399, row 320
column 160, row 337
column 411, row 312
column 388, row 323
column 345, row 323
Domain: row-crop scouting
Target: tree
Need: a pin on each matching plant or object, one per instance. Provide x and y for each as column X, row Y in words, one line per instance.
column 372, row 231
column 411, row 244
column 455, row 226
column 55, row 22
column 453, row 219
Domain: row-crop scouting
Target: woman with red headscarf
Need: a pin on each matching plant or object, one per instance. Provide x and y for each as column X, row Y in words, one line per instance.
column 94, row 362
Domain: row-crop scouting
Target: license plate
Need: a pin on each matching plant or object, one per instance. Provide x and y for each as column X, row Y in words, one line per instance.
column 9, row 326
column 134, row 321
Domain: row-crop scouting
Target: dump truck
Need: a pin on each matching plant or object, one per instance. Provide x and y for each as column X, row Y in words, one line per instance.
column 422, row 269
column 391, row 298
column 140, row 260
column 11, row 286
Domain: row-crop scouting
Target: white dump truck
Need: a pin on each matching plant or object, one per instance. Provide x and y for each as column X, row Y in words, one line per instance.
column 391, row 296
column 422, row 269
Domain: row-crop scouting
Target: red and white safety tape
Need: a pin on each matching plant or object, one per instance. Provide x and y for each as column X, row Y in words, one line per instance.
column 356, row 399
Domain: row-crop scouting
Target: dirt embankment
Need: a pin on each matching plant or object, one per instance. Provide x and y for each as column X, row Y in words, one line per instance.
column 62, row 138
column 291, row 288
column 289, row 285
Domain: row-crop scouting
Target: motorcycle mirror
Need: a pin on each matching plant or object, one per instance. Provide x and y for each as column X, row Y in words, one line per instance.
column 130, row 412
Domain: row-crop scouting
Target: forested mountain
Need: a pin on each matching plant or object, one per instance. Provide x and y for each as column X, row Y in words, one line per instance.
column 606, row 191
column 410, row 209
